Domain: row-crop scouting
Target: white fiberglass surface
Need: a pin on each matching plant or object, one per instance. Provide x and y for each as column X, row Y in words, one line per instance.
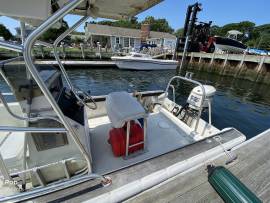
column 162, row 136
column 11, row 148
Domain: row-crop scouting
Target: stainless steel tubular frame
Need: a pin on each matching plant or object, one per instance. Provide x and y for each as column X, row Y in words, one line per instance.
column 39, row 191
column 55, row 45
column 10, row 46
column 194, row 82
column 29, row 43
column 173, row 91
column 32, row 129
column 10, row 60
column 58, row 40
column 2, row 63
column 29, row 119
column 2, row 98
column 42, row 166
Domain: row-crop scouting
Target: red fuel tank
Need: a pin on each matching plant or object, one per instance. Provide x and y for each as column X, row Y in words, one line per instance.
column 117, row 139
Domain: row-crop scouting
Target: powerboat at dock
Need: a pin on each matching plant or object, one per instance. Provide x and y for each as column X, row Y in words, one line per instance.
column 56, row 138
column 139, row 61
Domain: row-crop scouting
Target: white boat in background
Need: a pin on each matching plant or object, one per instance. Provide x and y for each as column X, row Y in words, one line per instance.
column 139, row 61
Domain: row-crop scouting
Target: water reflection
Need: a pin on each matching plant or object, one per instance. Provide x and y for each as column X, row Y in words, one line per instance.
column 237, row 103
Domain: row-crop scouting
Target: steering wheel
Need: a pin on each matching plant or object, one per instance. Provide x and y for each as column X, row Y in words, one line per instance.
column 83, row 97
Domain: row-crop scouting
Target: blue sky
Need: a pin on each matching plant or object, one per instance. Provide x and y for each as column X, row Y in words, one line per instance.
column 219, row 11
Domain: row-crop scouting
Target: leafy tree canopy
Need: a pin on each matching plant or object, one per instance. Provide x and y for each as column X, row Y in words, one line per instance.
column 160, row 25
column 51, row 34
column 5, row 33
column 179, row 32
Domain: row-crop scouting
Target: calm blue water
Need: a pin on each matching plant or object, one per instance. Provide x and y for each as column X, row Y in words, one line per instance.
column 237, row 103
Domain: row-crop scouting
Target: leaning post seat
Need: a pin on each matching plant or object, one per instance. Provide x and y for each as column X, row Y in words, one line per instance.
column 123, row 108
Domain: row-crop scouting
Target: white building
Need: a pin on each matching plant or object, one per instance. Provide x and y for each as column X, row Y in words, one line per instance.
column 112, row 37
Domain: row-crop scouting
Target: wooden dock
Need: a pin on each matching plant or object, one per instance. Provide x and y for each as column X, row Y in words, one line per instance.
column 255, row 68
column 83, row 64
column 225, row 59
column 251, row 167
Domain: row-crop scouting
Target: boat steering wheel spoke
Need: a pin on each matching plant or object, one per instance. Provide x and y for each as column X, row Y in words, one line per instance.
column 84, row 97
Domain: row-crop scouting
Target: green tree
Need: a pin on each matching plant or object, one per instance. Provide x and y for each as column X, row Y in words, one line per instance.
column 133, row 23
column 126, row 24
column 160, row 24
column 244, row 26
column 5, row 33
column 179, row 32
column 78, row 40
column 215, row 30
column 51, row 34
column 263, row 42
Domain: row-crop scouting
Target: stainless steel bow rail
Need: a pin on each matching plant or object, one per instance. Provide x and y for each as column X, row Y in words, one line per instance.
column 196, row 83
column 26, row 48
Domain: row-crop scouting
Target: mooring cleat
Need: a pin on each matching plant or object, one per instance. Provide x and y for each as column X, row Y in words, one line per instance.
column 107, row 181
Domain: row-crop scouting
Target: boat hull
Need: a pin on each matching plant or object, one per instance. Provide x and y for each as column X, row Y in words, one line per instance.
column 229, row 45
column 145, row 64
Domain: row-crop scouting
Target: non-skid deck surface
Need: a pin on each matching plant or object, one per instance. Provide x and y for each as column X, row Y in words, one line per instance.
column 88, row 190
column 162, row 137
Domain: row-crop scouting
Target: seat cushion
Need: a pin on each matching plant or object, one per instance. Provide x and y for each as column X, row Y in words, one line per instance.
column 122, row 107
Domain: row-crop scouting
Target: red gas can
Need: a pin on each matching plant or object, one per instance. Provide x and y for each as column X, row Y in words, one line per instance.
column 136, row 136
column 117, row 139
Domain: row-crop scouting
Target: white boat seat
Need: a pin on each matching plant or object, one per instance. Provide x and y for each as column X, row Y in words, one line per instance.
column 122, row 107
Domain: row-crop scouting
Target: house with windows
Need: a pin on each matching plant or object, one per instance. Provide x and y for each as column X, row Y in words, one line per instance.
column 118, row 37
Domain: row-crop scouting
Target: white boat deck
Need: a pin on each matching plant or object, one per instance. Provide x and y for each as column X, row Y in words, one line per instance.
column 163, row 136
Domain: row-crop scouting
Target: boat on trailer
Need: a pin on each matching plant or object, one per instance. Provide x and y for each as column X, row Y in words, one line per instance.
column 139, row 61
column 231, row 43
column 57, row 140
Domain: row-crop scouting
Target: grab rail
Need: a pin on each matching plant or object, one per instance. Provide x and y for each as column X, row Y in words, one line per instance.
column 52, row 187
column 173, row 91
column 32, row 129
column 194, row 82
